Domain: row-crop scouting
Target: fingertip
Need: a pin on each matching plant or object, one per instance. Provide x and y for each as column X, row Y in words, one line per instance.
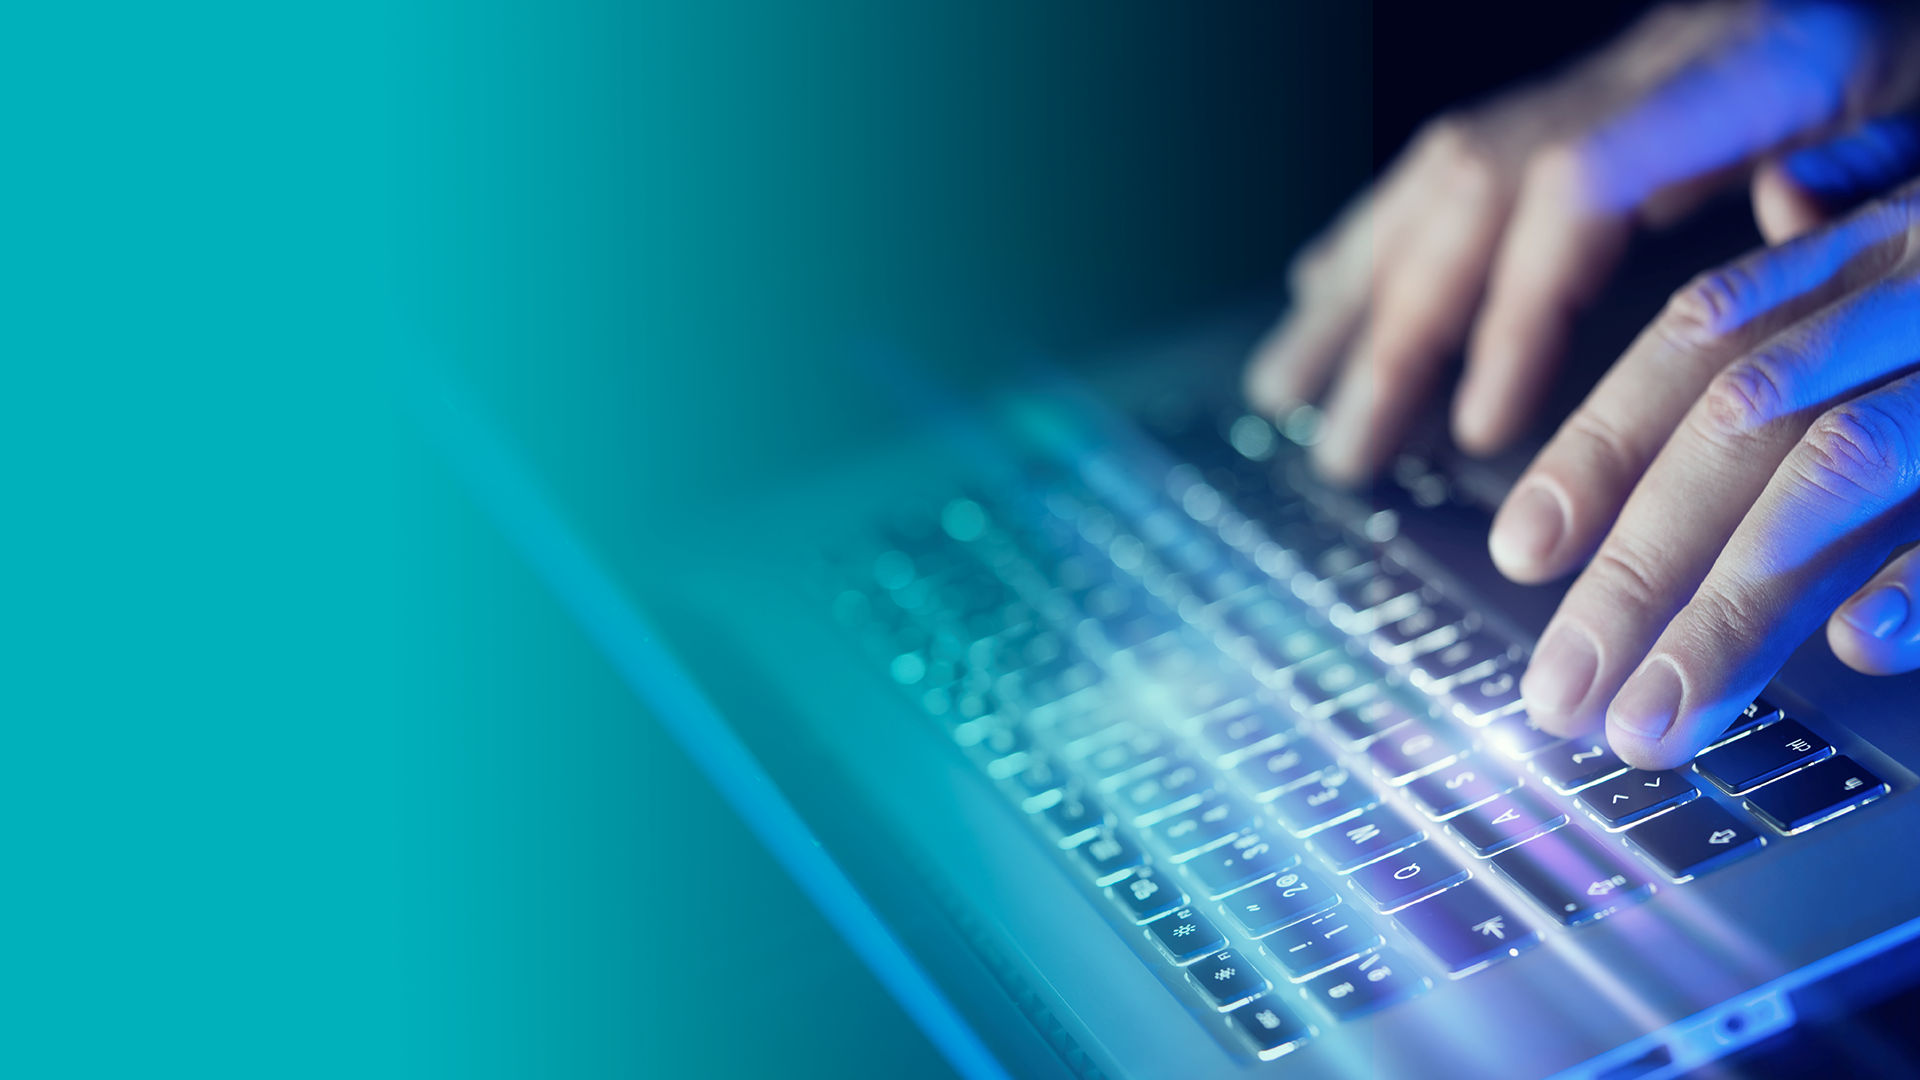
column 1873, row 632
column 1643, row 753
column 1646, row 722
column 1342, row 457
column 1527, row 533
column 1783, row 208
column 1264, row 381
column 1478, row 427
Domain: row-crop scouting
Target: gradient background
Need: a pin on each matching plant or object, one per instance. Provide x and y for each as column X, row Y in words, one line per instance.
column 305, row 776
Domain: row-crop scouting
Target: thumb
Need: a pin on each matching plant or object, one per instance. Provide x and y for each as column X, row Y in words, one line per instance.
column 1808, row 188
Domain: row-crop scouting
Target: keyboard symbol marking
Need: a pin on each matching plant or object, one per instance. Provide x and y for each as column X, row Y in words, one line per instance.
column 1589, row 755
column 1495, row 927
column 1722, row 836
column 1223, row 974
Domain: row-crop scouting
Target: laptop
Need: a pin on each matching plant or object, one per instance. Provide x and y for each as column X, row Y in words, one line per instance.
column 1116, row 746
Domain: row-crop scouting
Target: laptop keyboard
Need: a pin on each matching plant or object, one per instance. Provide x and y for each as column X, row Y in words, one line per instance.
column 1299, row 772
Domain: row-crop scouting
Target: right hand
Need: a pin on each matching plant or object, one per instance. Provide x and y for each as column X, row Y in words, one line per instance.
column 1502, row 221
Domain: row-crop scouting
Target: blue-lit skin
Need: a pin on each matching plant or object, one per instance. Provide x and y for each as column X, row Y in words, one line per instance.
column 1758, row 450
column 1500, row 222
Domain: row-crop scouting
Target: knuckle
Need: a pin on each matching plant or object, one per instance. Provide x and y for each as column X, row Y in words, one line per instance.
column 1624, row 570
column 1858, row 452
column 1458, row 156
column 1727, row 614
column 1742, row 399
column 1702, row 313
column 1603, row 444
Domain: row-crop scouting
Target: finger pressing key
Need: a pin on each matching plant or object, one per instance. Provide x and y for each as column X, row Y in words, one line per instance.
column 1825, row 521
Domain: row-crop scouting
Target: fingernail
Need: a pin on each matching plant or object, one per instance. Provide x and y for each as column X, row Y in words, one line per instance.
column 1879, row 613
column 1649, row 702
column 1528, row 528
column 1561, row 672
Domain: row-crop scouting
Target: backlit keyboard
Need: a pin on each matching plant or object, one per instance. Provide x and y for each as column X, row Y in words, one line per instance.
column 1298, row 770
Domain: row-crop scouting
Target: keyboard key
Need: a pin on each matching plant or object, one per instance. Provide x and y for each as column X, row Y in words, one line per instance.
column 1227, row 979
column 1518, row 737
column 1420, row 871
column 1270, row 1029
column 1324, row 684
column 1075, row 818
column 1330, row 799
column 1361, row 723
column 1753, row 759
column 1472, row 656
column 1323, row 942
column 1162, row 795
column 1468, row 927
column 1636, row 795
column 1506, row 821
column 1373, row 835
column 1461, row 786
column 1204, row 828
column 1249, row 857
column 1476, row 701
column 1368, row 600
column 1573, row 878
column 1186, row 936
column 1266, row 776
column 1410, row 751
column 1108, row 856
column 1147, row 895
column 1288, row 653
column 1119, row 762
column 1342, row 558
column 1818, row 793
column 1279, row 902
column 1040, row 784
column 1435, row 625
column 1380, row 980
column 1241, row 733
column 1265, row 617
column 1576, row 764
column 1694, row 839
column 1758, row 714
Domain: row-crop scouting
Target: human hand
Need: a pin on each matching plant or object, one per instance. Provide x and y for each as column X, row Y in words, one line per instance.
column 1756, row 453
column 1501, row 221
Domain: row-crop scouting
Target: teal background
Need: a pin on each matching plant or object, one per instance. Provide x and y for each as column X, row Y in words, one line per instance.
column 304, row 776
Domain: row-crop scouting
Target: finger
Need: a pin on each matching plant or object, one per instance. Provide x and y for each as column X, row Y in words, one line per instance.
column 1564, row 502
column 1826, row 519
column 1699, row 488
column 1419, row 316
column 1876, row 631
column 1331, row 285
column 1793, row 76
column 1810, row 187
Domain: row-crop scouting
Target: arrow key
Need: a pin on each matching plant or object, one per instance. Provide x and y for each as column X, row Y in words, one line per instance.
column 1468, row 927
column 1696, row 838
column 1636, row 795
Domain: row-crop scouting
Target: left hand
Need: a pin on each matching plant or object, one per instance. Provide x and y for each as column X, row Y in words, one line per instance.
column 1757, row 455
